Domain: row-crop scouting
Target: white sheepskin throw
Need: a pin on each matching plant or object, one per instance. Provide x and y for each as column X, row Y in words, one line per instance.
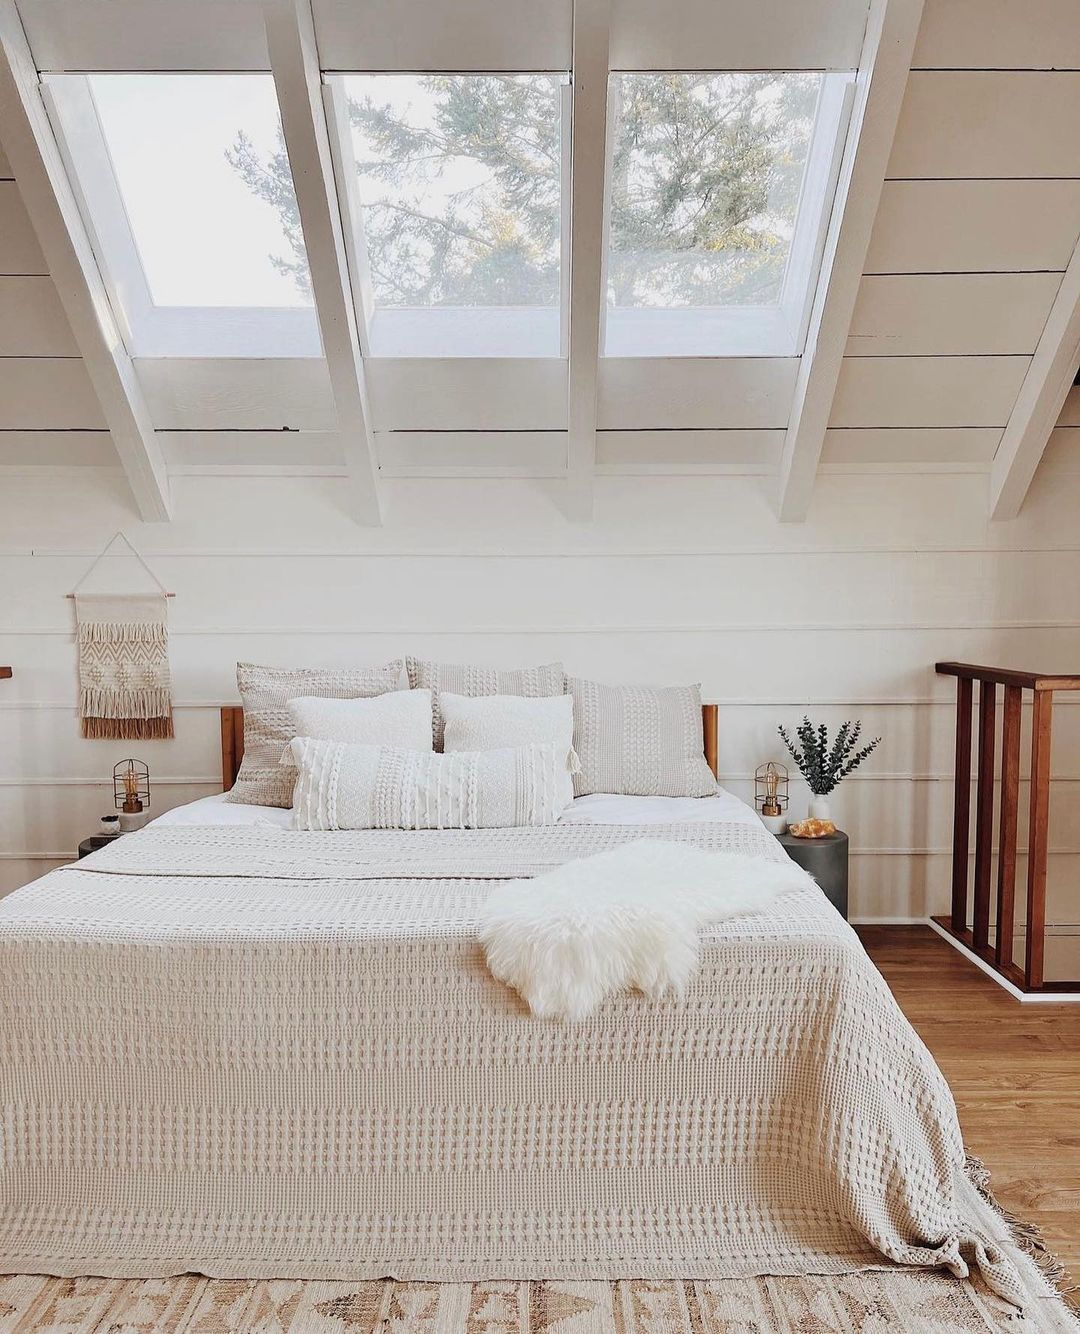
column 625, row 918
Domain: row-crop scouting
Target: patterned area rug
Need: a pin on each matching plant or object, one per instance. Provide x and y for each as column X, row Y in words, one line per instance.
column 911, row 1303
column 888, row 1302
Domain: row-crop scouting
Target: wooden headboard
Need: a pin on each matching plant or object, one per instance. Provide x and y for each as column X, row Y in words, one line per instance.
column 232, row 743
column 232, row 740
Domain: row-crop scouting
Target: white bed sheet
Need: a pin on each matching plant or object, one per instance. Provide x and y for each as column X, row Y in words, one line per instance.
column 600, row 808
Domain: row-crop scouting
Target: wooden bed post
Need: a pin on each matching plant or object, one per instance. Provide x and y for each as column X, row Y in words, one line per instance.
column 232, row 743
column 710, row 734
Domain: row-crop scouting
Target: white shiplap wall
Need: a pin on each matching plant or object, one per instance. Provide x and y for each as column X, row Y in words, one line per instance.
column 677, row 579
column 680, row 576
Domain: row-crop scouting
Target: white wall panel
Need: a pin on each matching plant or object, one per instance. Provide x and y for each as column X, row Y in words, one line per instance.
column 927, row 447
column 467, row 394
column 721, row 450
column 145, row 34
column 1070, row 412
column 974, row 226
column 19, row 250
column 269, row 450
column 468, row 35
column 432, row 453
column 638, row 393
column 951, row 314
column 46, row 393
column 57, row 449
column 238, row 394
column 1062, row 456
column 881, row 589
column 32, row 320
column 5, row 166
column 727, row 34
column 998, row 34
column 977, row 124
column 927, row 391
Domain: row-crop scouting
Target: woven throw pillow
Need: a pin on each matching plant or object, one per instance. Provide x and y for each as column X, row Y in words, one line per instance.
column 265, row 692
column 342, row 786
column 399, row 718
column 532, row 682
column 639, row 741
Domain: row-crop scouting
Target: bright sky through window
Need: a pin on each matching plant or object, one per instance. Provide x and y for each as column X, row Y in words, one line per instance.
column 181, row 148
column 717, row 188
column 459, row 184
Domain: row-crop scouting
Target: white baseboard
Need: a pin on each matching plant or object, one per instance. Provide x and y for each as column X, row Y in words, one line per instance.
column 887, row 921
column 1024, row 997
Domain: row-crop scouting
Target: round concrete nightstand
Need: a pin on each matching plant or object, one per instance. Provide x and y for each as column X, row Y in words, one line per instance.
column 826, row 859
column 95, row 841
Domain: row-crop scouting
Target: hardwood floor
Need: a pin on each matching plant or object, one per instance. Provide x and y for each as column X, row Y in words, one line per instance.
column 1014, row 1071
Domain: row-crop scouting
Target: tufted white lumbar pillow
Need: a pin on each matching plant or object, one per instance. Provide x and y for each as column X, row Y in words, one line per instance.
column 343, row 786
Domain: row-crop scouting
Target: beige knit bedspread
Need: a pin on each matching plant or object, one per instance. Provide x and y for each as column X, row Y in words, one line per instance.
column 258, row 1053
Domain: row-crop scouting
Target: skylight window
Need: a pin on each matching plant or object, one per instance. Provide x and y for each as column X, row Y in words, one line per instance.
column 454, row 187
column 186, row 188
column 718, row 193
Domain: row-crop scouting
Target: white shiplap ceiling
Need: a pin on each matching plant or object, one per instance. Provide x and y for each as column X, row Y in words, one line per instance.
column 951, row 208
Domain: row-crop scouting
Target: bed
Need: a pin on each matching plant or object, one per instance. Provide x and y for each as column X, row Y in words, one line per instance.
column 237, row 1049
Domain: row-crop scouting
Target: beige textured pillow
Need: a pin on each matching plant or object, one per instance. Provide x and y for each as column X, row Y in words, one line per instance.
column 639, row 741
column 461, row 679
column 265, row 692
column 378, row 787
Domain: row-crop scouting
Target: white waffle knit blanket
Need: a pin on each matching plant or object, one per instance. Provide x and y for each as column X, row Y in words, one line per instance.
column 259, row 1053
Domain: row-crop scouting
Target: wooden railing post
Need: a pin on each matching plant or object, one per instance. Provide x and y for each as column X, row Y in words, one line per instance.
column 955, row 927
column 1038, row 841
column 1007, row 820
column 961, row 804
column 984, row 815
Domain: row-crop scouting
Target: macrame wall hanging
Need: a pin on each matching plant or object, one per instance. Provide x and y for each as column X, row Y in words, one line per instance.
column 125, row 690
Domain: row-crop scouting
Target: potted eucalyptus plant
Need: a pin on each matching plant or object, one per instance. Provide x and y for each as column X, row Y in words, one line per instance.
column 823, row 766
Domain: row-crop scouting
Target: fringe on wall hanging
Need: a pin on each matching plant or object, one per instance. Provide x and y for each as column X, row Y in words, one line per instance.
column 125, row 687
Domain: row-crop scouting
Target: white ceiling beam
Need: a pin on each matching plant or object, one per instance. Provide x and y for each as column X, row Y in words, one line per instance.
column 50, row 202
column 891, row 29
column 294, row 60
column 588, row 174
column 1040, row 400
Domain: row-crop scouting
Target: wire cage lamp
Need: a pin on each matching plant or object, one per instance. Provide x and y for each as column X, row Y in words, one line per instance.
column 771, row 794
column 131, row 787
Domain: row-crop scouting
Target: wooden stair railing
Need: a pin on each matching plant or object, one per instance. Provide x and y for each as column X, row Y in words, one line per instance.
column 976, row 938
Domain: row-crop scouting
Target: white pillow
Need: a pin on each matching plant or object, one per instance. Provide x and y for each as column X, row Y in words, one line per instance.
column 343, row 786
column 489, row 722
column 401, row 718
